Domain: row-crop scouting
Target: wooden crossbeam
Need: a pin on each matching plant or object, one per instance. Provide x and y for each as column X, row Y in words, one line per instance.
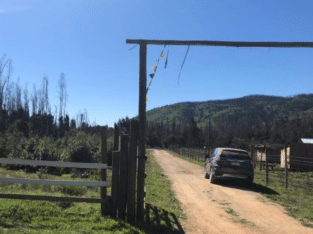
column 223, row 43
column 50, row 198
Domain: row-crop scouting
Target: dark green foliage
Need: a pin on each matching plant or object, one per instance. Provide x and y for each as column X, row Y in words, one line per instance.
column 234, row 122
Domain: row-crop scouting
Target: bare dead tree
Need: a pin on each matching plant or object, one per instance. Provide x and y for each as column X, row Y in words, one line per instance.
column 26, row 100
column 18, row 95
column 41, row 102
column 9, row 100
column 62, row 95
column 55, row 114
column 5, row 74
column 45, row 95
column 34, row 100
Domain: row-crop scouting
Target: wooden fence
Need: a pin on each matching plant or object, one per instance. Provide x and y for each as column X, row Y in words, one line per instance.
column 124, row 171
column 195, row 154
column 122, row 202
column 102, row 184
column 282, row 169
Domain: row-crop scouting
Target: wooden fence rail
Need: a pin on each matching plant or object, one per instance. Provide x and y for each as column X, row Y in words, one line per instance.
column 102, row 184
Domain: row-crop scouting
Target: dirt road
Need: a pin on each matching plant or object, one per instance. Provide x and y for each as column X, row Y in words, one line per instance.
column 222, row 208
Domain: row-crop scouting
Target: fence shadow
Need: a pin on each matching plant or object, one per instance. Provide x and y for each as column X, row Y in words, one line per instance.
column 255, row 187
column 160, row 221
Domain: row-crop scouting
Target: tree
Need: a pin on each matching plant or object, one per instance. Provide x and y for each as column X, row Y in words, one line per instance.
column 62, row 95
column 34, row 100
column 73, row 124
column 26, row 101
column 194, row 134
column 5, row 74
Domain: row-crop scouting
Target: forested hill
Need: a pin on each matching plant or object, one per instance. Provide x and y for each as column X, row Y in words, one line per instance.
column 254, row 109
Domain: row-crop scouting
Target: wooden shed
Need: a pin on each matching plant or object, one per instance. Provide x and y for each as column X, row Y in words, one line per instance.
column 273, row 152
column 299, row 157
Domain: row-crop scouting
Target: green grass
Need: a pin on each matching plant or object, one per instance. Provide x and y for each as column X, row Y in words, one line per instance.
column 297, row 199
column 231, row 211
column 163, row 211
column 27, row 216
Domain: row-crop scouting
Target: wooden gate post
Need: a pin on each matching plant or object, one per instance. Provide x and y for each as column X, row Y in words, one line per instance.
column 116, row 137
column 104, row 205
column 142, row 130
column 115, row 183
column 132, row 161
column 122, row 199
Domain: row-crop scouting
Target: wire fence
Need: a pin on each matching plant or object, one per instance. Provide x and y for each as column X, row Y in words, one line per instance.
column 269, row 167
column 297, row 174
column 192, row 153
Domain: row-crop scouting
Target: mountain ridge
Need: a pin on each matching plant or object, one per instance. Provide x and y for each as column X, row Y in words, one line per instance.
column 260, row 107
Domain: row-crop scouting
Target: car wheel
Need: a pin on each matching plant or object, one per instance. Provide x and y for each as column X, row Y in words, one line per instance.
column 212, row 178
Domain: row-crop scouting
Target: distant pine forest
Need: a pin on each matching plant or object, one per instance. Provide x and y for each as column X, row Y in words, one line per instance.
column 240, row 122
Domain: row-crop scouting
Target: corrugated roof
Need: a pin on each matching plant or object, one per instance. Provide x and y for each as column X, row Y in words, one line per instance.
column 307, row 140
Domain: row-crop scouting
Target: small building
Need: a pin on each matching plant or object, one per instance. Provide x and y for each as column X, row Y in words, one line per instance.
column 299, row 155
column 273, row 152
column 306, row 141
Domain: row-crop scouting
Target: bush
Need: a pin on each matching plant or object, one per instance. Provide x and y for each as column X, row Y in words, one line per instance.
column 78, row 149
column 45, row 149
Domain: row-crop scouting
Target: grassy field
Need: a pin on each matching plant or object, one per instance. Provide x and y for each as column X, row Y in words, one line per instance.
column 26, row 216
column 297, row 199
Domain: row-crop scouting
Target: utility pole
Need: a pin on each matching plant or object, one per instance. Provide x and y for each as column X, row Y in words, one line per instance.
column 209, row 146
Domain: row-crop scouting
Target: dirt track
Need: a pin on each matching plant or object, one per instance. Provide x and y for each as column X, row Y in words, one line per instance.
column 205, row 204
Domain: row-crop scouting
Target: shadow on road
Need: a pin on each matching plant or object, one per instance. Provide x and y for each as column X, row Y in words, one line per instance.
column 255, row 187
column 160, row 221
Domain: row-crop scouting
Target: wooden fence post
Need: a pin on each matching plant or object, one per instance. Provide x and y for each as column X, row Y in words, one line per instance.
column 286, row 168
column 116, row 137
column 198, row 155
column 104, row 205
column 266, row 167
column 115, row 183
column 251, row 155
column 261, row 161
column 122, row 199
column 132, row 161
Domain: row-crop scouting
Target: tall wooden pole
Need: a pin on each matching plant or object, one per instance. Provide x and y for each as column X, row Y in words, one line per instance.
column 104, row 205
column 142, row 131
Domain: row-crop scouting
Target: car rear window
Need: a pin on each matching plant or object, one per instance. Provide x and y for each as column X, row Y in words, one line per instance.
column 235, row 155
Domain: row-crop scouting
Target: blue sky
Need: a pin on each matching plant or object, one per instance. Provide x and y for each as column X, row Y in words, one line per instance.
column 87, row 41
